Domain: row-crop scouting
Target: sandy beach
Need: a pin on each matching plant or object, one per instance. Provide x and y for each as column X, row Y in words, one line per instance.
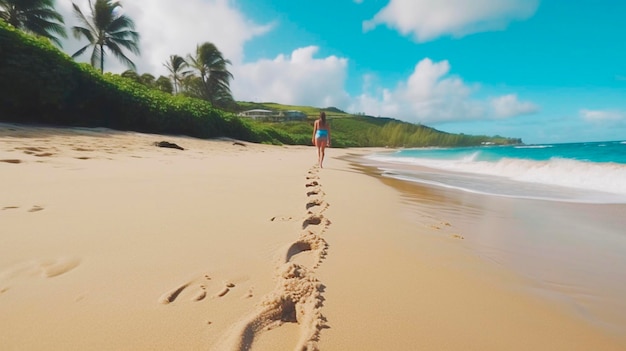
column 108, row 242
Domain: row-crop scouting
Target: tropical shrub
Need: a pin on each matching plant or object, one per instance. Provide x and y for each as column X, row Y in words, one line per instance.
column 40, row 84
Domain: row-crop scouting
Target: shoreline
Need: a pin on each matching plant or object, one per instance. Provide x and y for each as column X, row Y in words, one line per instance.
column 572, row 269
column 112, row 243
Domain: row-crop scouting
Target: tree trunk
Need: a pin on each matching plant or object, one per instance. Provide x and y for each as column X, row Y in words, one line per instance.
column 101, row 58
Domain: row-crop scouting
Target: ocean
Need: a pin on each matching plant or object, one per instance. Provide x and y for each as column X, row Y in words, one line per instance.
column 593, row 172
column 554, row 214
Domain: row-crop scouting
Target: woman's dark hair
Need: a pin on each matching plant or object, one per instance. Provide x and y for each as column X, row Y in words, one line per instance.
column 323, row 117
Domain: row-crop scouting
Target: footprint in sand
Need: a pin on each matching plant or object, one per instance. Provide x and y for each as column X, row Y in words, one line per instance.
column 196, row 290
column 297, row 298
column 82, row 149
column 298, row 295
column 438, row 226
column 315, row 191
column 281, row 219
column 56, row 267
column 36, row 151
column 314, row 203
column 225, row 290
column 36, row 208
column 315, row 219
column 45, row 268
column 30, row 150
column 297, row 248
column 308, row 251
column 317, row 207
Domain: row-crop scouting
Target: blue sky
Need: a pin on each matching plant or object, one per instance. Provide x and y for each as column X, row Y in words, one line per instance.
column 544, row 71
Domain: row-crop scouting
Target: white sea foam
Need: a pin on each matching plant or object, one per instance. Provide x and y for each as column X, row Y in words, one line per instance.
column 533, row 146
column 586, row 176
column 470, row 158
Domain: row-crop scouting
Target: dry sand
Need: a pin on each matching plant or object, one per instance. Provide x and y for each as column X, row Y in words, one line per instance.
column 108, row 242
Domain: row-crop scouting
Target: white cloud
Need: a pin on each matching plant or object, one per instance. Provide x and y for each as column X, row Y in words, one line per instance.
column 602, row 116
column 430, row 95
column 430, row 19
column 298, row 78
column 509, row 106
column 167, row 29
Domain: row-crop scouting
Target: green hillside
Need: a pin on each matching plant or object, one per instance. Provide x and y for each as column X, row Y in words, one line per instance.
column 367, row 131
column 40, row 84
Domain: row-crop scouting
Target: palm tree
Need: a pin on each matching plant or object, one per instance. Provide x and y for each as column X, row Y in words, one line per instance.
column 164, row 84
column 147, row 79
column 214, row 76
column 130, row 74
column 177, row 67
column 106, row 28
column 35, row 16
column 191, row 85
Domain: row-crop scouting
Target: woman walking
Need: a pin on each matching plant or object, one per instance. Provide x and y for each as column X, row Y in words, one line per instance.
column 321, row 137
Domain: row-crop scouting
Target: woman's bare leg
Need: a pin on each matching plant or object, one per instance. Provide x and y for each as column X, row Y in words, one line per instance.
column 321, row 147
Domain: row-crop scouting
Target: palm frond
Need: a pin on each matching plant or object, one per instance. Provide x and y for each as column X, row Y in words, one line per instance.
column 117, row 52
column 80, row 32
column 80, row 51
column 106, row 30
column 35, row 16
column 97, row 55
column 81, row 18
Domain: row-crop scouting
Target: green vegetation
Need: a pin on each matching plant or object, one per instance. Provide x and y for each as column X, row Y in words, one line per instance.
column 213, row 80
column 177, row 66
column 34, row 16
column 367, row 131
column 104, row 28
column 40, row 84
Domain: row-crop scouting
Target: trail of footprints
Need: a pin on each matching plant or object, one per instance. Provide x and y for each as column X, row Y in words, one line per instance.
column 297, row 296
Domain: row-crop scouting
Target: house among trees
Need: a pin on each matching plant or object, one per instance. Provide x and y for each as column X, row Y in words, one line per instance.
column 274, row 116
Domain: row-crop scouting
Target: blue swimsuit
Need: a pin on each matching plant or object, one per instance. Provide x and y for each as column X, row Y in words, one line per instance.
column 321, row 133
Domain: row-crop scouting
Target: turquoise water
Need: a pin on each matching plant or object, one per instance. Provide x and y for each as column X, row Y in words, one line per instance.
column 552, row 213
column 592, row 172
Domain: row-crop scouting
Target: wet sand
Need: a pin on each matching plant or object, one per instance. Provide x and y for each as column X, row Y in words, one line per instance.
column 573, row 254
